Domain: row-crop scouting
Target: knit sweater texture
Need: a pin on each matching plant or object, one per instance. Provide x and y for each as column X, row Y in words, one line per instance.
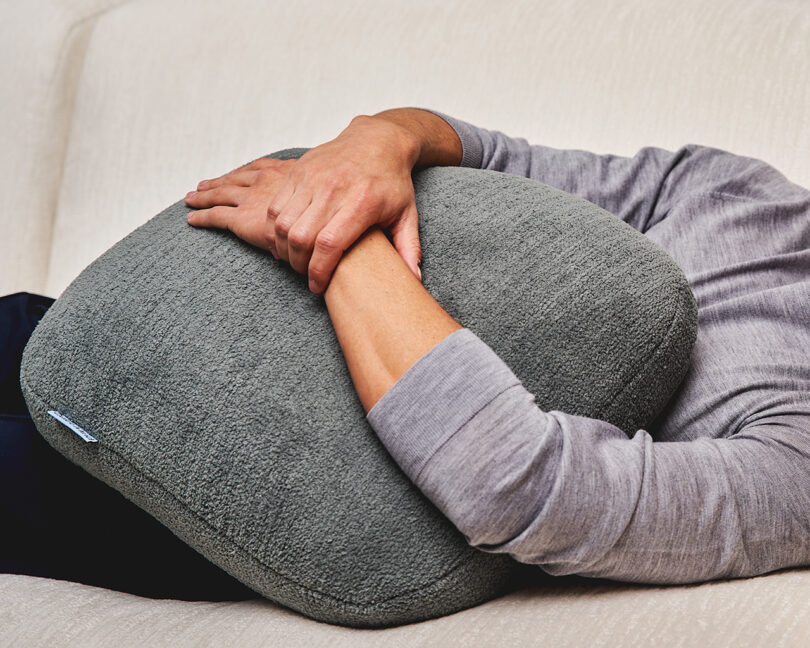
column 719, row 485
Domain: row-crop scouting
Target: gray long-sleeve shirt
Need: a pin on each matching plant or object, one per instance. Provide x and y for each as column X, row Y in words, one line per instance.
column 719, row 486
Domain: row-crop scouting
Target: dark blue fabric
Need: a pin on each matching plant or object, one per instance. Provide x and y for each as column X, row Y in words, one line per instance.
column 60, row 522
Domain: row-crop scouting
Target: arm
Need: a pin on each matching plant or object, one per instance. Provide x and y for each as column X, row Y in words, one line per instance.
column 574, row 495
column 627, row 187
column 310, row 210
column 384, row 318
column 571, row 494
column 437, row 142
column 642, row 190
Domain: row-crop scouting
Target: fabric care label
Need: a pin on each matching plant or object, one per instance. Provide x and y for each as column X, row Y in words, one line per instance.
column 78, row 429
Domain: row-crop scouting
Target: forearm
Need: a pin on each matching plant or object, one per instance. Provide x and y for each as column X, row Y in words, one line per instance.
column 384, row 319
column 437, row 143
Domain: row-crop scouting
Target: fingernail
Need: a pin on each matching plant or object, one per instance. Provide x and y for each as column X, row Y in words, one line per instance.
column 190, row 194
column 419, row 270
column 275, row 256
column 314, row 286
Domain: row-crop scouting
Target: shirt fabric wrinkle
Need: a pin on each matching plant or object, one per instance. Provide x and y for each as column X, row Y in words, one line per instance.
column 719, row 485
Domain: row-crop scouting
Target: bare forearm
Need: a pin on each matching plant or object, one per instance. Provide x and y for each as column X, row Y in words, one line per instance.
column 385, row 320
column 436, row 141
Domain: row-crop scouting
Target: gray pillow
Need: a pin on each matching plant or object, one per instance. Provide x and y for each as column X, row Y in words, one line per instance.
column 216, row 391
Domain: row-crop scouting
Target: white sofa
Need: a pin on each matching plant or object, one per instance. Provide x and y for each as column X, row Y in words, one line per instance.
column 113, row 110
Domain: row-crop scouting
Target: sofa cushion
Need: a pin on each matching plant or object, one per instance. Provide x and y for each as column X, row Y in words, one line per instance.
column 42, row 48
column 201, row 379
column 585, row 85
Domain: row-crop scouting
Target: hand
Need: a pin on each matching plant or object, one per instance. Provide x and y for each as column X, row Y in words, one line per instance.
column 334, row 193
column 237, row 201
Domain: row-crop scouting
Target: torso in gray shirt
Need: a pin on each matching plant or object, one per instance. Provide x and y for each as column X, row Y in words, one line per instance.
column 729, row 495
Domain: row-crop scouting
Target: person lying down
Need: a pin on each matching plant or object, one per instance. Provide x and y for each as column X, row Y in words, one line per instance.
column 718, row 487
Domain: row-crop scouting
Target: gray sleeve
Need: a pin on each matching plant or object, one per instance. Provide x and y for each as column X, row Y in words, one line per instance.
column 641, row 189
column 575, row 495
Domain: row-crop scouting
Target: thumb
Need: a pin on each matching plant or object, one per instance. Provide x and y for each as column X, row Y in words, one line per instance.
column 405, row 234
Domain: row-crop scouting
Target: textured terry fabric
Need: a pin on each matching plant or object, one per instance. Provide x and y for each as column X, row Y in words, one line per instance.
column 718, row 486
column 222, row 404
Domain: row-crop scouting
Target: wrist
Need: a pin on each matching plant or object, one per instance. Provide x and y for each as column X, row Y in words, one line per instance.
column 405, row 137
column 372, row 247
column 436, row 141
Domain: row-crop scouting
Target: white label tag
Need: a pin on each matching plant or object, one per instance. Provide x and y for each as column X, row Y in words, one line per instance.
column 78, row 429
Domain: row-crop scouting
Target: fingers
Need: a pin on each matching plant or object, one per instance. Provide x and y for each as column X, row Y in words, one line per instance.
column 306, row 230
column 280, row 199
column 230, row 195
column 220, row 216
column 239, row 202
column 244, row 173
column 405, row 235
column 313, row 233
column 290, row 213
column 343, row 229
column 241, row 177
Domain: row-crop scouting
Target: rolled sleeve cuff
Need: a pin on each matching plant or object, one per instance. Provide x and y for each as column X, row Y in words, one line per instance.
column 443, row 390
column 472, row 151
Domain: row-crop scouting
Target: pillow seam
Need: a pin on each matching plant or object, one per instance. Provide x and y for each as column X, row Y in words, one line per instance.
column 675, row 318
column 360, row 606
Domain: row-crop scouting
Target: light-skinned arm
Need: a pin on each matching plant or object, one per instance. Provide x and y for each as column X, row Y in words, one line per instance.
column 310, row 210
column 384, row 318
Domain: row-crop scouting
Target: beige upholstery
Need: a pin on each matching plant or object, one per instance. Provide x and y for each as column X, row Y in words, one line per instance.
column 764, row 611
column 112, row 110
column 42, row 47
column 174, row 91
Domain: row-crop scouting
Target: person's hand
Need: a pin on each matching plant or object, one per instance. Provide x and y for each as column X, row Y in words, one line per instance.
column 326, row 200
column 237, row 201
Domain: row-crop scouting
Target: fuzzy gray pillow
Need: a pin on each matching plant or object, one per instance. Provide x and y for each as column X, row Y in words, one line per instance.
column 201, row 379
